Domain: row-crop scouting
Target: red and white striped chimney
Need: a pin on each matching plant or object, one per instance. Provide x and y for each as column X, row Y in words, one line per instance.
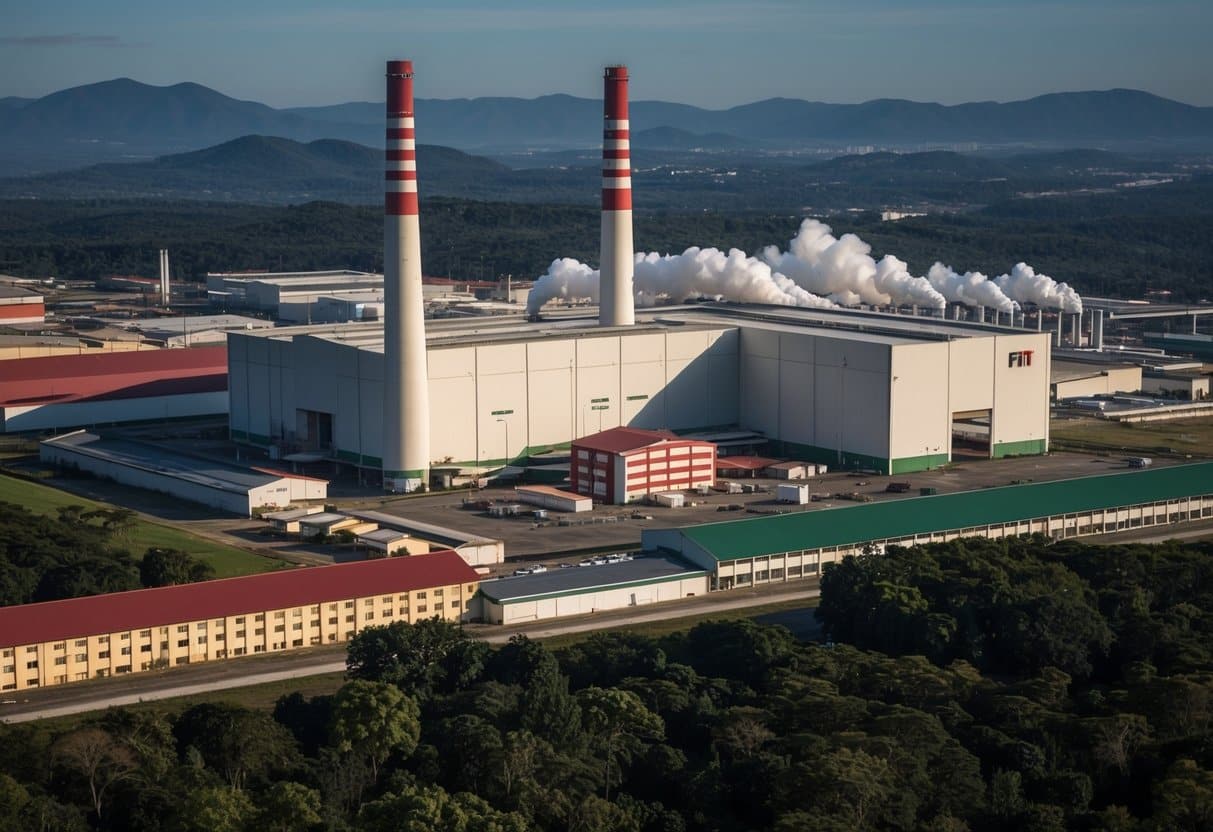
column 616, row 305
column 406, row 408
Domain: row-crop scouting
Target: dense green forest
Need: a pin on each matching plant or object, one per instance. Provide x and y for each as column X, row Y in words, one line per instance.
column 81, row 552
column 990, row 685
column 1119, row 243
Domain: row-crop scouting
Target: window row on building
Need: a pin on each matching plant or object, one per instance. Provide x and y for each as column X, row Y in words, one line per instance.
column 85, row 638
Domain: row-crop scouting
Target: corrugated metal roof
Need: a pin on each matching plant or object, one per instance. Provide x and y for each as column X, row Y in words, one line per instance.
column 920, row 515
column 145, row 456
column 143, row 608
column 579, row 580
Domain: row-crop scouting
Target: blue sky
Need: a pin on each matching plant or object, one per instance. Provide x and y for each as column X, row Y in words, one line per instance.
column 707, row 53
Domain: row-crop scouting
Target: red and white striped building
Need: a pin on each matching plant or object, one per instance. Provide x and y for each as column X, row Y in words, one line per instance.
column 20, row 306
column 625, row 464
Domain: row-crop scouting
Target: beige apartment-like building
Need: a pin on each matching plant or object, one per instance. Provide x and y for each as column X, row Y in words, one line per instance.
column 58, row 642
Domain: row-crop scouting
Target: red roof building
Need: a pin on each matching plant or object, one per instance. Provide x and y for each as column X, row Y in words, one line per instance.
column 625, row 464
column 127, row 632
column 20, row 306
column 78, row 390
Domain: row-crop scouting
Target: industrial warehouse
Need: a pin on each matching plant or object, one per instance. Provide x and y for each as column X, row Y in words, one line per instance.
column 879, row 391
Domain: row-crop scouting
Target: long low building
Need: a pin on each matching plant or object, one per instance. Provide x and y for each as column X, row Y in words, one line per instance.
column 762, row 550
column 581, row 590
column 199, row 480
column 58, row 642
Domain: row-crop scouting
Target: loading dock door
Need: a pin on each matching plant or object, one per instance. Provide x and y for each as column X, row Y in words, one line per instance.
column 971, row 435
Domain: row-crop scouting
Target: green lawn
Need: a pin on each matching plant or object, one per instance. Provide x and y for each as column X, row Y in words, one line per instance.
column 227, row 561
column 1179, row 437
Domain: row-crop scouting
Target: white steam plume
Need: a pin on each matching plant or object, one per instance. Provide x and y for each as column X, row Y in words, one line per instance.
column 708, row 272
column 1023, row 284
column 970, row 288
column 694, row 273
column 818, row 270
column 842, row 268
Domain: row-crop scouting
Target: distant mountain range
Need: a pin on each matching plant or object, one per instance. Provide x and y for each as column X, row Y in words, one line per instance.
column 270, row 169
column 124, row 119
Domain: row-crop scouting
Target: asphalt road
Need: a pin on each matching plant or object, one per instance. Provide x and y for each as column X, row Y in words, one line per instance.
column 255, row 670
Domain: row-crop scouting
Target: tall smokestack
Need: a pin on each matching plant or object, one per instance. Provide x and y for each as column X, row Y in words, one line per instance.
column 164, row 284
column 406, row 404
column 616, row 303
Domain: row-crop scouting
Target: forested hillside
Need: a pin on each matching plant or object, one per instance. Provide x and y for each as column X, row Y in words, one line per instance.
column 992, row 685
column 1118, row 244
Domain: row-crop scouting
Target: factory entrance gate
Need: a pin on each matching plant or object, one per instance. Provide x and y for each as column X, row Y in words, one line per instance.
column 970, row 435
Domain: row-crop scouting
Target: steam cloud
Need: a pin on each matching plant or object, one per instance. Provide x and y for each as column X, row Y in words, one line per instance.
column 1024, row 285
column 818, row 270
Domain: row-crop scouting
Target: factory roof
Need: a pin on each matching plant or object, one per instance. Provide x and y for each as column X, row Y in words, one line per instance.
column 847, row 324
column 622, row 440
column 145, row 456
column 10, row 292
column 579, row 580
column 921, row 515
column 743, row 463
column 163, row 606
column 113, row 375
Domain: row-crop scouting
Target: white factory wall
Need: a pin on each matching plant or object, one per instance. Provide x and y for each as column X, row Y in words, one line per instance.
column 817, row 392
column 514, row 612
column 970, row 385
column 1020, row 421
column 920, row 418
column 536, row 394
column 482, row 554
column 88, row 413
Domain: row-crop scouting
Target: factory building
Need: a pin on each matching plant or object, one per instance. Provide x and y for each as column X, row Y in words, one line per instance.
column 886, row 392
column 267, row 291
column 625, row 464
column 559, row 593
column 20, row 306
column 785, row 547
column 856, row 389
column 58, row 642
column 69, row 391
column 196, row 479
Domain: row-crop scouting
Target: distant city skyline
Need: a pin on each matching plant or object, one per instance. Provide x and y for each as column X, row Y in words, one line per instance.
column 707, row 53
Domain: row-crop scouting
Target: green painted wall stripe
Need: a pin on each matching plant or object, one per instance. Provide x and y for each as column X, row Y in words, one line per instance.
column 1028, row 447
column 731, row 540
column 908, row 464
column 829, row 456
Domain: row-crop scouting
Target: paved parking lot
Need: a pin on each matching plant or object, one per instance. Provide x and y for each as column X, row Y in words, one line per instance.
column 607, row 527
column 619, row 526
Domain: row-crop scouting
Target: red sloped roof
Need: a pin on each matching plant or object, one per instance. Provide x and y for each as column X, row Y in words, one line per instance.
column 620, row 440
column 744, row 463
column 69, row 377
column 144, row 608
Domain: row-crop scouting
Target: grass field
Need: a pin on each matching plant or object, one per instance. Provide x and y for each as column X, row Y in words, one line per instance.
column 1179, row 438
column 227, row 561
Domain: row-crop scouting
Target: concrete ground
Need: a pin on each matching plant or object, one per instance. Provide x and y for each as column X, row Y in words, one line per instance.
column 606, row 528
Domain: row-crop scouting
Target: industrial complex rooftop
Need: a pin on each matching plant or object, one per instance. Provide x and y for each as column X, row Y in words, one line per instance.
column 848, row 324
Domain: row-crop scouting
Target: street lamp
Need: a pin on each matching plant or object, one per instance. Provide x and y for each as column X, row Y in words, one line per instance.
column 507, row 440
